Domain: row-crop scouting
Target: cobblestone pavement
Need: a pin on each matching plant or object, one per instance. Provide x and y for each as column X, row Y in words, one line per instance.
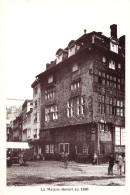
column 54, row 173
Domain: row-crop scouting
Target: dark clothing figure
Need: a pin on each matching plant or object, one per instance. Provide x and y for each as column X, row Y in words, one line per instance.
column 62, row 156
column 111, row 164
column 124, row 164
column 65, row 158
column 21, row 161
column 95, row 158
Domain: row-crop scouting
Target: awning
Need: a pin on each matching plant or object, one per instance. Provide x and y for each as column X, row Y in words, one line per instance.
column 17, row 145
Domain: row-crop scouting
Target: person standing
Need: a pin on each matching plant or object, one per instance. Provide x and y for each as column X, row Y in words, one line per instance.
column 111, row 164
column 124, row 163
column 21, row 162
column 66, row 160
column 120, row 164
column 95, row 159
column 62, row 155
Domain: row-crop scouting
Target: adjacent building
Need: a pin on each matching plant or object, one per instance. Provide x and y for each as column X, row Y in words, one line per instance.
column 17, row 129
column 36, row 117
column 27, row 120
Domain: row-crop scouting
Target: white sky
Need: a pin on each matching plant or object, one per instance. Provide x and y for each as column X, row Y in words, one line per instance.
column 33, row 30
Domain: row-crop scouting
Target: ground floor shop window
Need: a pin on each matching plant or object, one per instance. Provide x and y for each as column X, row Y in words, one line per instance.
column 46, row 148
column 85, row 148
column 49, row 148
column 106, row 148
column 119, row 136
column 64, row 146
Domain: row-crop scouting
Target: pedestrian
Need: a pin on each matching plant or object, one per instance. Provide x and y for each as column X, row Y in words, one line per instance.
column 124, row 163
column 95, row 159
column 21, row 161
column 62, row 155
column 65, row 160
column 111, row 164
column 119, row 164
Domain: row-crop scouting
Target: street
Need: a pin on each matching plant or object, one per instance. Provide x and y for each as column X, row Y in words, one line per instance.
column 53, row 173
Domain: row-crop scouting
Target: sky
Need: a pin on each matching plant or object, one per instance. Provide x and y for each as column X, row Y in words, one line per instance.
column 33, row 30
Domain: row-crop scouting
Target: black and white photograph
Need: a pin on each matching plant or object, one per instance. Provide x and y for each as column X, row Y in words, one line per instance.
column 63, row 101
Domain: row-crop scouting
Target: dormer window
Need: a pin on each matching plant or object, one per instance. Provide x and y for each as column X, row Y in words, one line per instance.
column 72, row 48
column 50, row 79
column 72, row 51
column 61, row 55
column 114, row 46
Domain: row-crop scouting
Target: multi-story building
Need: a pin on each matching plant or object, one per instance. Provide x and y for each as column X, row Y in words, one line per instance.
column 36, row 117
column 83, row 98
column 9, row 131
column 27, row 109
column 17, row 129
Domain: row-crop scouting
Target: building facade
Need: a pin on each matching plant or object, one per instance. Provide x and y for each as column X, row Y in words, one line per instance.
column 36, row 118
column 27, row 120
column 17, row 129
column 83, row 98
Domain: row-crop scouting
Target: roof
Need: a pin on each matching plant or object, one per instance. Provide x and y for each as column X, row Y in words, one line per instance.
column 26, row 101
column 85, row 37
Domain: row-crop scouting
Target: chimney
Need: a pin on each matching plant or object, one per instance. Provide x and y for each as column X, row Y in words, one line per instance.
column 113, row 28
column 84, row 31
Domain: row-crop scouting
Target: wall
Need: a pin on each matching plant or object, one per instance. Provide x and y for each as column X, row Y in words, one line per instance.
column 62, row 81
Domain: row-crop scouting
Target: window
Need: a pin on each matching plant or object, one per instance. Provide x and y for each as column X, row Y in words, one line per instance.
column 99, row 73
column 103, row 81
column 120, row 108
column 104, row 59
column 59, row 57
column 74, row 68
column 51, row 112
column 101, row 104
column 35, row 133
column 75, row 85
column 114, row 47
column 50, row 93
column 65, row 147
column 80, row 105
column 50, row 79
column 119, row 66
column 122, row 136
column 55, row 112
column 46, row 148
column 76, row 106
column 52, row 148
column 114, row 79
column 112, row 64
column 119, row 136
column 70, row 108
column 47, row 114
column 72, row 50
column 110, row 105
